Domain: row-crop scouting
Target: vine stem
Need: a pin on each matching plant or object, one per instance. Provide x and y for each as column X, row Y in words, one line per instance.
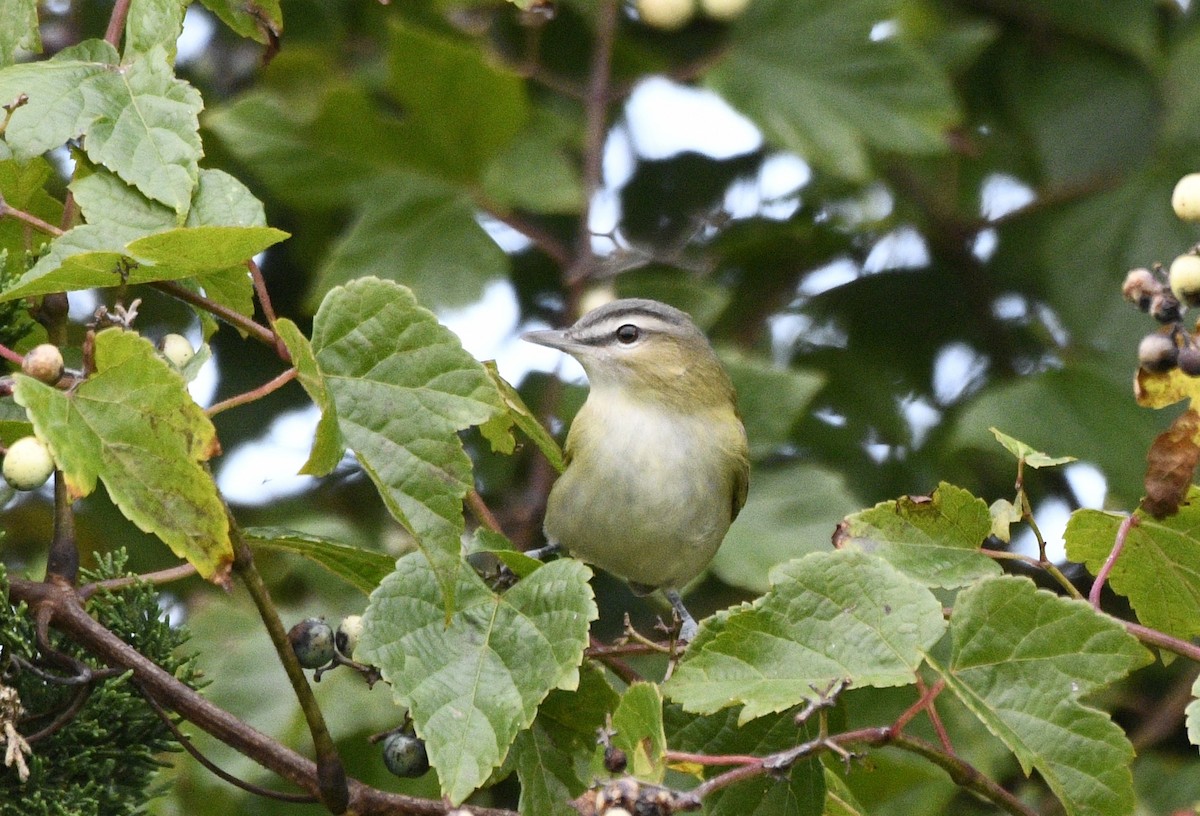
column 963, row 773
column 10, row 355
column 32, row 220
column 268, row 387
column 116, row 23
column 331, row 775
column 1127, row 524
column 235, row 319
column 61, row 606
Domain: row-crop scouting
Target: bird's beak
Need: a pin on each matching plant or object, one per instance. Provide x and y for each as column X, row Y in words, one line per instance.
column 553, row 338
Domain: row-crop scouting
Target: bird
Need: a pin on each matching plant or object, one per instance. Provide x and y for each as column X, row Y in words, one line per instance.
column 657, row 464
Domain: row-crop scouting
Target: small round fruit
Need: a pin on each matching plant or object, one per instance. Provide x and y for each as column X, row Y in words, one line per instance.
column 723, row 10
column 27, row 465
column 616, row 811
column 615, row 759
column 404, row 755
column 1165, row 308
column 44, row 362
column 347, row 634
column 312, row 641
column 1185, row 199
column 1189, row 361
column 1157, row 353
column 177, row 349
column 1139, row 287
column 1184, row 278
column 666, row 15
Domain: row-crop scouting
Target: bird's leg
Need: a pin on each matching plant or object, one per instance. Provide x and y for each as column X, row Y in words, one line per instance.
column 542, row 553
column 688, row 627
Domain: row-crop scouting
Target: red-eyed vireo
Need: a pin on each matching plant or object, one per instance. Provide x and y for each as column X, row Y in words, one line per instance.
column 657, row 465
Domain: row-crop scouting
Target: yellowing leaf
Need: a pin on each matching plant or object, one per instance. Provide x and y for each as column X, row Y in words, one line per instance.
column 133, row 426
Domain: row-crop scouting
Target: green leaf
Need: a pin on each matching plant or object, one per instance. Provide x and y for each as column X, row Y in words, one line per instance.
column 363, row 569
column 20, row 29
column 829, row 617
column 1021, row 660
column 420, row 232
column 1027, row 454
column 466, row 109
column 23, row 185
column 498, row 430
column 638, row 722
column 537, row 171
column 154, row 23
column 800, row 793
column 839, row 799
column 204, row 249
column 791, row 511
column 328, row 446
column 260, row 20
column 58, row 106
column 932, row 539
column 403, row 387
column 132, row 425
column 565, row 728
column 474, row 682
column 123, row 223
column 1082, row 405
column 771, row 399
column 145, row 128
column 1159, row 568
column 817, row 83
column 547, row 774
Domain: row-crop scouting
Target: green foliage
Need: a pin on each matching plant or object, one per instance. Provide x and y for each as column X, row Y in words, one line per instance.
column 1158, row 569
column 473, row 682
column 829, row 618
column 133, row 426
column 1009, row 639
column 104, row 759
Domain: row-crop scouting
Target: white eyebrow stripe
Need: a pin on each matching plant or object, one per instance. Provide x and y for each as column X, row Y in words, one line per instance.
column 607, row 325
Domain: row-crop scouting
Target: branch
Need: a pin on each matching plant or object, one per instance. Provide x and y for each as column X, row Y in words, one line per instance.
column 7, row 209
column 595, row 126
column 963, row 773
column 331, row 775
column 271, row 385
column 66, row 613
column 1127, row 524
column 116, row 23
column 235, row 319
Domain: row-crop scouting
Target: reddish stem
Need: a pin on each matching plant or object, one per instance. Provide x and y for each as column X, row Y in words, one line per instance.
column 250, row 396
column 1127, row 524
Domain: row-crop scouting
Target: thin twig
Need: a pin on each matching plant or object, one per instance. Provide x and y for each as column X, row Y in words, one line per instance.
column 10, row 355
column 164, row 576
column 1048, row 566
column 483, row 514
column 32, row 220
column 189, row 746
column 331, row 774
column 598, row 651
column 710, row 759
column 595, row 127
column 233, row 318
column 271, row 385
column 1162, row 640
column 1127, row 524
column 116, row 23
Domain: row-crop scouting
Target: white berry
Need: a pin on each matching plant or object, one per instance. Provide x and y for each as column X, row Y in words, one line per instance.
column 1184, row 278
column 723, row 10
column 667, row 15
column 1186, row 198
column 347, row 634
column 177, row 349
column 27, row 465
column 44, row 362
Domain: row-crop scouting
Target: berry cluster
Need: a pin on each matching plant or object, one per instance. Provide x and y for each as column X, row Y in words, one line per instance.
column 1165, row 294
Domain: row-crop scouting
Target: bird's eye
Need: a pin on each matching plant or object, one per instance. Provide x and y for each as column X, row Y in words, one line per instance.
column 628, row 334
